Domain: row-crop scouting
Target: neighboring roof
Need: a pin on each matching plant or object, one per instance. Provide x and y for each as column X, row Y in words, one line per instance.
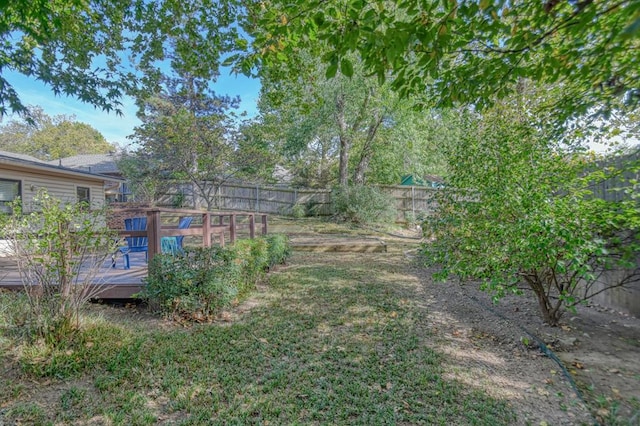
column 281, row 174
column 21, row 156
column 433, row 178
column 94, row 163
column 13, row 160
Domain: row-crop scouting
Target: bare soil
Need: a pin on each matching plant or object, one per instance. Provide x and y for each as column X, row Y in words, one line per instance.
column 586, row 371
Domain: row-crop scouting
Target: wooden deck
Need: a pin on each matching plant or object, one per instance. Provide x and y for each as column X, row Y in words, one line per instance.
column 115, row 283
column 120, row 283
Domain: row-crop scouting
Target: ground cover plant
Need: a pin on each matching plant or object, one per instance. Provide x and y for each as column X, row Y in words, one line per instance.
column 328, row 343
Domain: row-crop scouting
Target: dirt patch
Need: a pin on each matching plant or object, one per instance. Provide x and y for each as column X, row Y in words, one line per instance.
column 583, row 372
column 497, row 347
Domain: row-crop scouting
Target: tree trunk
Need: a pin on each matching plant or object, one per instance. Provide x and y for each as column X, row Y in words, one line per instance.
column 345, row 141
column 550, row 315
column 367, row 150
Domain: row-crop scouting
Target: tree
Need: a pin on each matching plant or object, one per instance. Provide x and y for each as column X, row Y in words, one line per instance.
column 95, row 50
column 50, row 138
column 466, row 52
column 326, row 116
column 190, row 134
column 413, row 143
column 349, row 127
column 145, row 177
column 520, row 209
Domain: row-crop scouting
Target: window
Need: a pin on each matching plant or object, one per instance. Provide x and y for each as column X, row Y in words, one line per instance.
column 9, row 191
column 82, row 193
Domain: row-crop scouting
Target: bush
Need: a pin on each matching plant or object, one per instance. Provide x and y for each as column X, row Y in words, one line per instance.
column 279, row 249
column 364, row 205
column 298, row 211
column 518, row 212
column 52, row 246
column 197, row 284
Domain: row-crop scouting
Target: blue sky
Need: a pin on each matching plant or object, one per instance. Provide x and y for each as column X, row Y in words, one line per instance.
column 113, row 127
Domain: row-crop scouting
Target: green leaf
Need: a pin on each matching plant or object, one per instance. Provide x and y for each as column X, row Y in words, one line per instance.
column 346, row 67
column 332, row 69
column 318, row 18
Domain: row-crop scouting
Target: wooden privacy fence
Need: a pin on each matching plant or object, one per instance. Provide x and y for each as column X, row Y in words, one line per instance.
column 612, row 189
column 217, row 224
column 411, row 201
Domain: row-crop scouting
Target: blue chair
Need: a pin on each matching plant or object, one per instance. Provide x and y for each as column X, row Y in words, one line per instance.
column 185, row 222
column 173, row 245
column 134, row 244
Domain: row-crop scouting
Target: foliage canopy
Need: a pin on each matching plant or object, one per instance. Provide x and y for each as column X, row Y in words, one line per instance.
column 467, row 52
column 99, row 50
column 51, row 138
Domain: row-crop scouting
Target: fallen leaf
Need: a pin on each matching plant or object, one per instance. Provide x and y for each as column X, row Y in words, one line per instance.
column 542, row 392
column 553, row 372
column 578, row 365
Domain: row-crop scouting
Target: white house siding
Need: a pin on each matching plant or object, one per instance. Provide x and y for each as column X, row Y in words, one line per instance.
column 57, row 185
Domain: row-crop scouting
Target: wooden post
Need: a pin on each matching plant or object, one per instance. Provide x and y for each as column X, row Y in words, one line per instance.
column 264, row 224
column 206, row 230
column 153, row 233
column 232, row 227
column 252, row 226
column 413, row 202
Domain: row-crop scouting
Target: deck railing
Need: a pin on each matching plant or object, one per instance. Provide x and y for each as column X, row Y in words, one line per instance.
column 226, row 223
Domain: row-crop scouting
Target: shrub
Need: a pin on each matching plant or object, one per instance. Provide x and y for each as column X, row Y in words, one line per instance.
column 279, row 249
column 298, row 211
column 198, row 283
column 364, row 205
column 51, row 247
column 520, row 212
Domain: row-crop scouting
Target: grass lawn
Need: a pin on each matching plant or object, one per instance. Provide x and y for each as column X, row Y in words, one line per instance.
column 330, row 339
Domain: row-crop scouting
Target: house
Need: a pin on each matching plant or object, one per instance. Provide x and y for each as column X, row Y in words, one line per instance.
column 103, row 164
column 23, row 176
